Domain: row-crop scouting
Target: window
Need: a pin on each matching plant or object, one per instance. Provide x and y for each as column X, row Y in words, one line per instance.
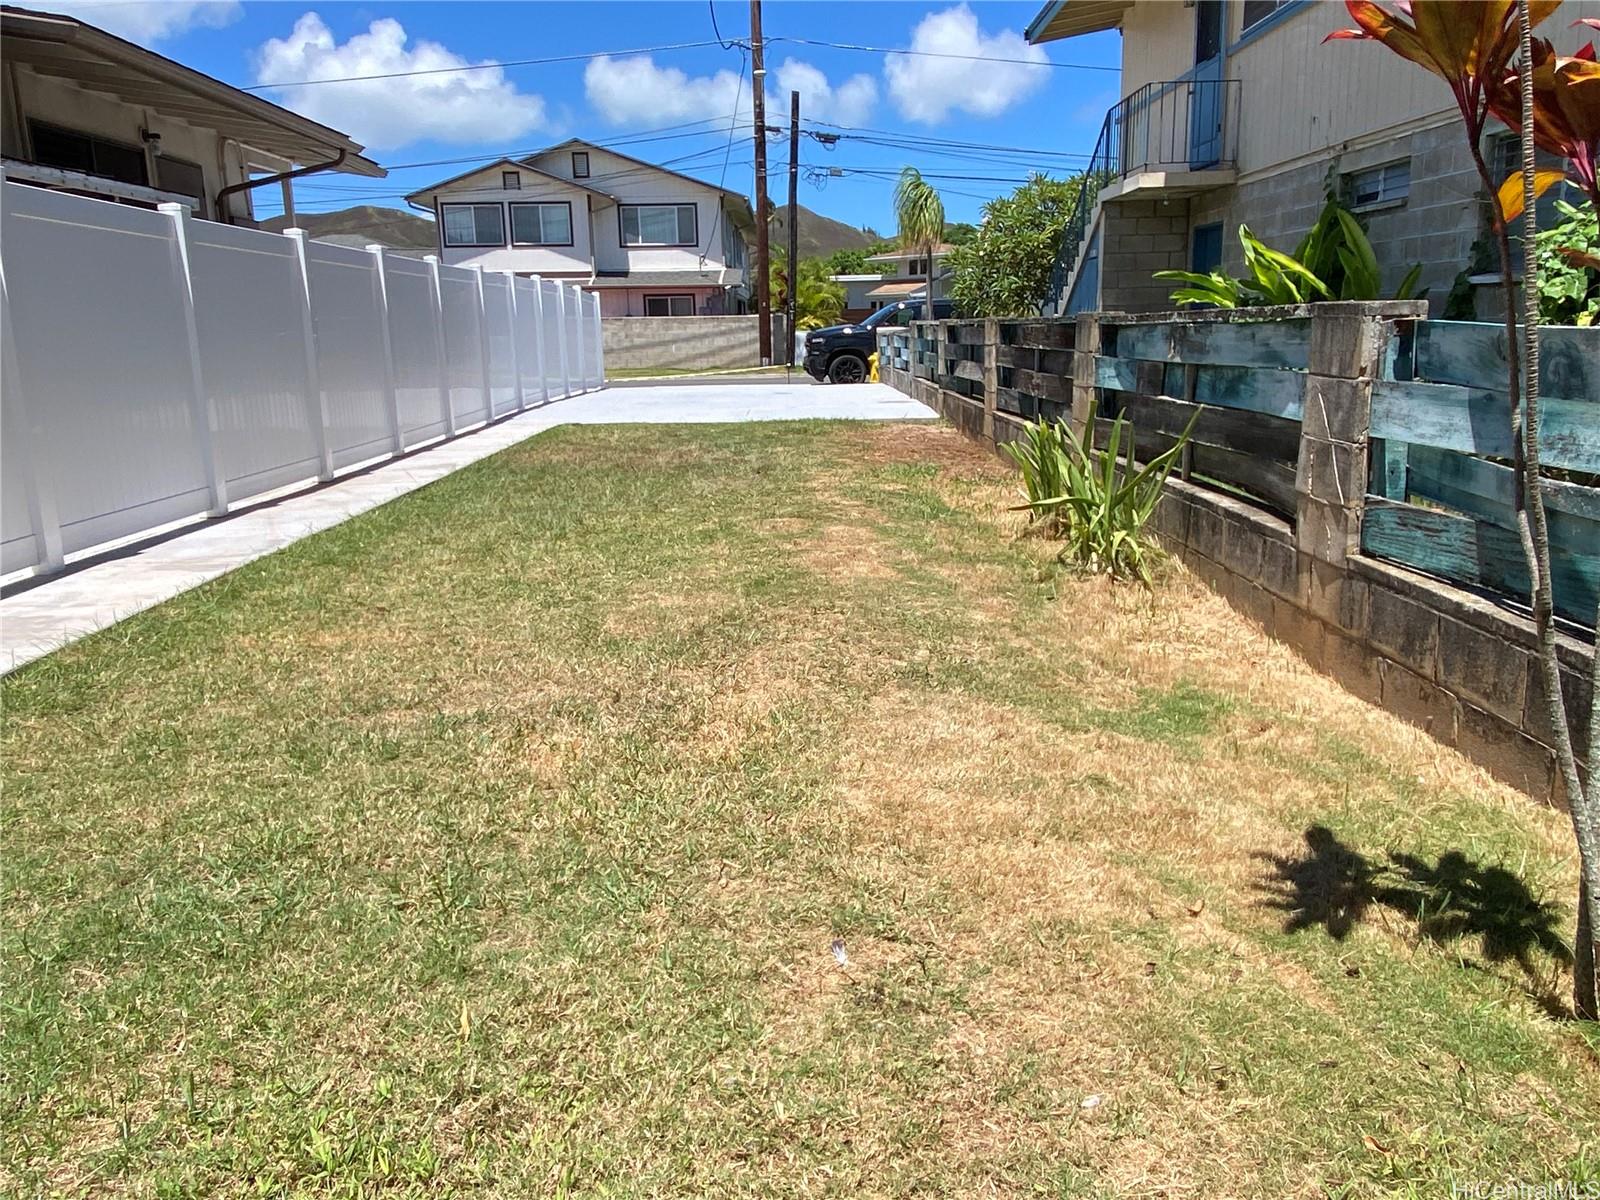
column 1388, row 184
column 580, row 164
column 1256, row 11
column 511, row 181
column 1205, row 248
column 659, row 225
column 917, row 266
column 541, row 224
column 669, row 306
column 176, row 175
column 72, row 151
column 473, row 225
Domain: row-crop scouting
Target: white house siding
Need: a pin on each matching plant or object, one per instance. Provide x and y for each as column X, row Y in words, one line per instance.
column 57, row 102
column 573, row 260
column 1157, row 44
column 634, row 183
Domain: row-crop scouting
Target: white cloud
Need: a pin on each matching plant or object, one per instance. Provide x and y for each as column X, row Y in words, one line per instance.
column 633, row 90
column 461, row 106
column 851, row 103
column 147, row 21
column 629, row 90
column 927, row 89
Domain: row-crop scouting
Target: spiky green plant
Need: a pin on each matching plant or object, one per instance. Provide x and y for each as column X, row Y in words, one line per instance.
column 1098, row 501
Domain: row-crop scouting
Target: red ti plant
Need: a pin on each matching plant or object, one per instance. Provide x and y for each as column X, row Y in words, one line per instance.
column 1470, row 44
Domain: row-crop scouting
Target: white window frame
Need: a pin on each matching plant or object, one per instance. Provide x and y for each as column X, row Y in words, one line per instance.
column 669, row 297
column 444, row 226
column 540, row 204
column 622, row 233
column 1386, row 185
column 1265, row 16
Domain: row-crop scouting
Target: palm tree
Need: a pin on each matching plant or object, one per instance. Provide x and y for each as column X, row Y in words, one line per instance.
column 920, row 214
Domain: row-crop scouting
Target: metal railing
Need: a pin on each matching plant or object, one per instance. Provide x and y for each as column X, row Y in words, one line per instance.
column 1187, row 124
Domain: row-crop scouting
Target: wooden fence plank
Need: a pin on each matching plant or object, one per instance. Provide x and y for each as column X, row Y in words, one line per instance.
column 1478, row 553
column 1048, row 387
column 1247, row 433
column 1474, row 420
column 1276, row 393
column 1048, row 334
column 1495, row 485
column 1265, row 479
column 966, row 368
column 1473, row 354
column 1238, row 344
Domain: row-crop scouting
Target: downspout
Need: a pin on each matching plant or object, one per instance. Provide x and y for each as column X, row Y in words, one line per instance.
column 265, row 180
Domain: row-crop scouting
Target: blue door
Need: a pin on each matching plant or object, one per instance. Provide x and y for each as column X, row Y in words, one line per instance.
column 1205, row 87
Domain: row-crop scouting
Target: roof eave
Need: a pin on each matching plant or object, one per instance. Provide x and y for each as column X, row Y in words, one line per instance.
column 1072, row 18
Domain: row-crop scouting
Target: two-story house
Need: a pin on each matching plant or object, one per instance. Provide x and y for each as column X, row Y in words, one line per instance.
column 1234, row 111
column 905, row 275
column 84, row 111
column 650, row 241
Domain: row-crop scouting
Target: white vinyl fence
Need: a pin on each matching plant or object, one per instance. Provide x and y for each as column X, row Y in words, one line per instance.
column 156, row 367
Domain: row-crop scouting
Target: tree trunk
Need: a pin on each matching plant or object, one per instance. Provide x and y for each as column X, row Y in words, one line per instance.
column 1533, row 530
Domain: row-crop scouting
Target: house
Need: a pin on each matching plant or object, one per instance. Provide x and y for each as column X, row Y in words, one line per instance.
column 650, row 241
column 1234, row 111
column 856, row 287
column 905, row 275
column 86, row 112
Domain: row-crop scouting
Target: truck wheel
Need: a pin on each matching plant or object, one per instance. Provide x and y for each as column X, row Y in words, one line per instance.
column 848, row 368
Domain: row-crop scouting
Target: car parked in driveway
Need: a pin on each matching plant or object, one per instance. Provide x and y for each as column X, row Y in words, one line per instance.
column 839, row 353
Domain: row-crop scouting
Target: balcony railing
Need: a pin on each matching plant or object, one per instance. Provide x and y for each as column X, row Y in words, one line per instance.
column 1177, row 125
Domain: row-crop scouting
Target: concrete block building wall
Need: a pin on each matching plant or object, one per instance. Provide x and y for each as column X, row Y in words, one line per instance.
column 1139, row 238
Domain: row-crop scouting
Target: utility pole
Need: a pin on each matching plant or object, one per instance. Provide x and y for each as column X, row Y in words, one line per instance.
column 794, row 226
column 758, row 79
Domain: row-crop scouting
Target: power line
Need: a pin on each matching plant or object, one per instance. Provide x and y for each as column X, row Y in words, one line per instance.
column 712, row 5
column 484, row 66
column 1021, row 62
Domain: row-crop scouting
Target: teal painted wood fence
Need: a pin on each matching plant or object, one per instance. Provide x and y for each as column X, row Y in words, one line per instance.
column 1246, row 381
column 1441, row 484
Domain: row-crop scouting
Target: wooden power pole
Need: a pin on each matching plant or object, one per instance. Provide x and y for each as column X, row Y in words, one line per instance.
column 794, row 226
column 758, row 79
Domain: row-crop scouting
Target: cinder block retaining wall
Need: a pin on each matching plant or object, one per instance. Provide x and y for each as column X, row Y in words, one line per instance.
column 1445, row 659
column 690, row 343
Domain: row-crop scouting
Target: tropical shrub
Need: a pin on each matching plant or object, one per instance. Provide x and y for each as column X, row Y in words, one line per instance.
column 1334, row 261
column 1569, row 286
column 1005, row 268
column 1096, row 500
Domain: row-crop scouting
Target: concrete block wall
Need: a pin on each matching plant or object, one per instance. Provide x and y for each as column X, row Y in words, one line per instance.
column 1459, row 666
column 1139, row 238
column 686, row 343
column 1436, row 224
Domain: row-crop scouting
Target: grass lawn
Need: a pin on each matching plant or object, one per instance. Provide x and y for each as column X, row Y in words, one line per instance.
column 494, row 843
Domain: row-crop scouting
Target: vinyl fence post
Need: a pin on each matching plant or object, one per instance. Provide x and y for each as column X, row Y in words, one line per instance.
column 539, row 340
column 561, row 339
column 577, row 338
column 34, row 461
column 446, row 404
column 316, row 405
column 202, row 415
column 483, row 344
column 599, row 344
column 391, row 398
column 516, row 351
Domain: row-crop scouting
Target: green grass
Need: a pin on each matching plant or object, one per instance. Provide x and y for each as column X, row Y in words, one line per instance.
column 493, row 842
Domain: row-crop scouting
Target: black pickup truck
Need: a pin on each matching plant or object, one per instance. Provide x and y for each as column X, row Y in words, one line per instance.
column 839, row 353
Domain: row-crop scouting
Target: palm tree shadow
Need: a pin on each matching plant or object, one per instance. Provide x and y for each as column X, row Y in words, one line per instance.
column 1454, row 899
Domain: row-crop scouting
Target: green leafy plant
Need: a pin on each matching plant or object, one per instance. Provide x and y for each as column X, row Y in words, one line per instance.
column 1097, row 500
column 1569, row 287
column 1004, row 269
column 1334, row 261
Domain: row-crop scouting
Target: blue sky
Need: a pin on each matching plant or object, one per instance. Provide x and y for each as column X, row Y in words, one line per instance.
column 672, row 105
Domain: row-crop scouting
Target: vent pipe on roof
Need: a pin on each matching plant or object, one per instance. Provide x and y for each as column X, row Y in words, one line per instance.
column 247, row 185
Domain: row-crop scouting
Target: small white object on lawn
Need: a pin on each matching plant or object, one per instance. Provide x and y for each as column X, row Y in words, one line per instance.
column 839, row 955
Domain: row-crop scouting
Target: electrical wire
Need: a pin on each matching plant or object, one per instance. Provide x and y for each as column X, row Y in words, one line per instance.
column 1022, row 62
column 483, row 66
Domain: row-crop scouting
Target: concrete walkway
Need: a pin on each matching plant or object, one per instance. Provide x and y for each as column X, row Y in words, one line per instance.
column 38, row 616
